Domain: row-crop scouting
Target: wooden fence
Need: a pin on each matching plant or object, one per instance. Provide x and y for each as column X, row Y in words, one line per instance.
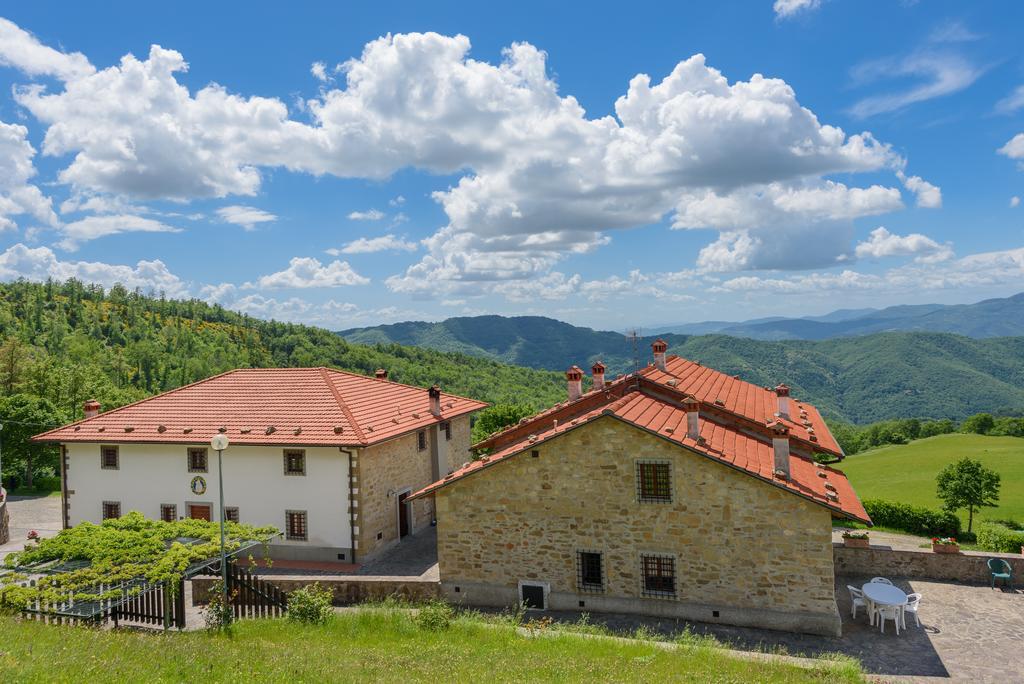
column 252, row 597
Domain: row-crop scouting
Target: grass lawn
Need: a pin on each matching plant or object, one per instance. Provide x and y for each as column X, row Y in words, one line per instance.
column 371, row 644
column 906, row 472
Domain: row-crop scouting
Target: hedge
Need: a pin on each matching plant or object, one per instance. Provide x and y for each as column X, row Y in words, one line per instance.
column 913, row 519
column 996, row 537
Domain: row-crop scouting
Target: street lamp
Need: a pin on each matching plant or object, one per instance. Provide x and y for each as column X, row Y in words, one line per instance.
column 219, row 444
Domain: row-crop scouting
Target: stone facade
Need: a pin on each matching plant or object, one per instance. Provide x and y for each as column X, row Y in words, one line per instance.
column 345, row 590
column 745, row 552
column 966, row 566
column 387, row 470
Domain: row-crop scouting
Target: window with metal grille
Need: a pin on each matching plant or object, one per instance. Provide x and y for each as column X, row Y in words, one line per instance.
column 421, row 440
column 294, row 462
column 231, row 514
column 197, row 461
column 109, row 458
column 659, row 574
column 168, row 512
column 447, row 428
column 295, row 525
column 111, row 509
column 654, row 481
column 590, row 570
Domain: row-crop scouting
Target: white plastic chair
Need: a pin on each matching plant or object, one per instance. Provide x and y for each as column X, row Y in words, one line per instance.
column 857, row 599
column 913, row 601
column 884, row 613
column 881, row 580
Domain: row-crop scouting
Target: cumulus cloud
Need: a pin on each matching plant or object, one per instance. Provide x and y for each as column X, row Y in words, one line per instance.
column 937, row 74
column 882, row 243
column 92, row 227
column 928, row 196
column 787, row 8
column 319, row 71
column 304, row 272
column 1014, row 149
column 368, row 215
column 17, row 195
column 378, row 244
column 40, row 263
column 21, row 50
column 331, row 314
column 247, row 217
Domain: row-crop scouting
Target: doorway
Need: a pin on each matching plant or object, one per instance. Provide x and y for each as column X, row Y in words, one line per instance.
column 199, row 511
column 404, row 514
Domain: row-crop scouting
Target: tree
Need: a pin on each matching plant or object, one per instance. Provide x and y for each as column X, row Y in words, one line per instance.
column 968, row 484
column 497, row 417
column 22, row 416
column 979, row 423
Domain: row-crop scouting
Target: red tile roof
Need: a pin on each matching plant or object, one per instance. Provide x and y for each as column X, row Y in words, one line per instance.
column 271, row 406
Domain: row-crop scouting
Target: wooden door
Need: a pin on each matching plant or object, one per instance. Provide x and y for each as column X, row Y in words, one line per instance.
column 403, row 515
column 199, row 511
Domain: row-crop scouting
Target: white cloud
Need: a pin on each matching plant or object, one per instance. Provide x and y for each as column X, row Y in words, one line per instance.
column 953, row 31
column 40, row 263
column 938, row 74
column 305, row 272
column 1012, row 102
column 319, row 71
column 928, row 196
column 378, row 244
column 368, row 215
column 1014, row 149
column 21, row 50
column 244, row 216
column 330, row 314
column 1014, row 202
column 787, row 8
column 92, row 227
column 882, row 243
column 396, row 202
column 99, row 204
column 17, row 195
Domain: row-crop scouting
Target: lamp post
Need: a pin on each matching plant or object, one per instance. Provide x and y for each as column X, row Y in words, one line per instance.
column 219, row 444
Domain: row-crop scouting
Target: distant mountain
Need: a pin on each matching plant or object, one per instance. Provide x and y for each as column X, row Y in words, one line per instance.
column 989, row 318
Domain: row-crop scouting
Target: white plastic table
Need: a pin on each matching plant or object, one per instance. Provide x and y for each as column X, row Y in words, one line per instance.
column 884, row 594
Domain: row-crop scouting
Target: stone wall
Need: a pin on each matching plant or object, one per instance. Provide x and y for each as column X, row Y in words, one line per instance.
column 746, row 552
column 345, row 590
column 966, row 566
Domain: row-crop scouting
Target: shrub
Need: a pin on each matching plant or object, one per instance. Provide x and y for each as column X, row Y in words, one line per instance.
column 979, row 423
column 913, row 519
column 435, row 616
column 310, row 604
column 999, row 538
column 47, row 484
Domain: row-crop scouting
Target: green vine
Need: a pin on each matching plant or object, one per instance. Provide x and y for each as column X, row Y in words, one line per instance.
column 119, row 550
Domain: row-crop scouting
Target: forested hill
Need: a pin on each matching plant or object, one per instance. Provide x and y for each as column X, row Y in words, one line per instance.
column 69, row 342
column 858, row 379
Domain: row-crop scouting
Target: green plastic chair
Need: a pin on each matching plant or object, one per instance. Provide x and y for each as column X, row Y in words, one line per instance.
column 1000, row 569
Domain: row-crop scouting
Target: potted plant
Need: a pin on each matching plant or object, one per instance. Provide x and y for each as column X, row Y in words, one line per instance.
column 945, row 545
column 855, row 540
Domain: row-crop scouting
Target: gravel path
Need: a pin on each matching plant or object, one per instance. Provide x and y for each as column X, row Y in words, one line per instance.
column 39, row 513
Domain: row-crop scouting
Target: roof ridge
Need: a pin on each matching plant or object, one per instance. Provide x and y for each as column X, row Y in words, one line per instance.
column 329, row 381
column 400, row 384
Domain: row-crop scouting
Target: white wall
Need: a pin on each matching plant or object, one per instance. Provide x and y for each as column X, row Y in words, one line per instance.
column 254, row 481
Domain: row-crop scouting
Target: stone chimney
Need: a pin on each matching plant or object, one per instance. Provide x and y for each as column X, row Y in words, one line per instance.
column 380, row 374
column 435, row 401
column 574, row 377
column 780, row 443
column 598, row 371
column 692, row 408
column 659, row 347
column 91, row 408
column 782, row 392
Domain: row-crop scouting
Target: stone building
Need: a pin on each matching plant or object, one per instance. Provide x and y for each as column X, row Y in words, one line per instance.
column 328, row 457
column 677, row 491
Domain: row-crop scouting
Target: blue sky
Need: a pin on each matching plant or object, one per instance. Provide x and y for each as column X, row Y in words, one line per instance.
column 348, row 166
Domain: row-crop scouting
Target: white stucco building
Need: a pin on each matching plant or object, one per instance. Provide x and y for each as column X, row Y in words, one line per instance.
column 326, row 456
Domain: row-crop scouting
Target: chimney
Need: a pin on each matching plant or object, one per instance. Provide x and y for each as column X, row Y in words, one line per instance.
column 91, row 408
column 782, row 392
column 435, row 401
column 659, row 347
column 380, row 374
column 598, row 371
column 780, row 443
column 574, row 376
column 692, row 406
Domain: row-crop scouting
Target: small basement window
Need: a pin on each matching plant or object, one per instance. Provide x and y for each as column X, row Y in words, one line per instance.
column 168, row 512
column 197, row 461
column 654, row 481
column 421, row 440
column 231, row 514
column 295, row 526
column 659, row 576
column 111, row 510
column 109, row 459
column 294, row 462
column 533, row 595
column 590, row 571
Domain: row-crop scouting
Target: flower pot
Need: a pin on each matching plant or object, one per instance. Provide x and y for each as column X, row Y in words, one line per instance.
column 946, row 548
column 856, row 543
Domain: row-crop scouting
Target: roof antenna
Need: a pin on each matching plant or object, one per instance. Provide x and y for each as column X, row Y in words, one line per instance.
column 634, row 338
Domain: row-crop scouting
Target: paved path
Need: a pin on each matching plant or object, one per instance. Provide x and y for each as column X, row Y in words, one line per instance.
column 892, row 540
column 39, row 513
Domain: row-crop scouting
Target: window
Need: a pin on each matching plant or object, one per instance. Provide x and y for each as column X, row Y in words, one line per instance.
column 659, row 573
column 294, row 462
column 590, row 571
column 111, row 509
column 654, row 481
column 421, row 440
column 197, row 462
column 447, row 428
column 231, row 514
column 108, row 458
column 168, row 512
column 295, row 525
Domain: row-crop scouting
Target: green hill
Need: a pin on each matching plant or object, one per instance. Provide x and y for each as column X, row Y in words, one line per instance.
column 907, row 472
